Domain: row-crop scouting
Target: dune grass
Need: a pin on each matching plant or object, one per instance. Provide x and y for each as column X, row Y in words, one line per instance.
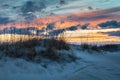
column 27, row 49
column 102, row 48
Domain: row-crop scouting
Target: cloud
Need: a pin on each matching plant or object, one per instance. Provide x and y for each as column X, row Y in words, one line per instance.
column 5, row 20
column 113, row 33
column 110, row 24
column 96, row 15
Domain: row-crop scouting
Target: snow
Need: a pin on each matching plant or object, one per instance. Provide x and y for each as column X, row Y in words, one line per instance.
column 89, row 66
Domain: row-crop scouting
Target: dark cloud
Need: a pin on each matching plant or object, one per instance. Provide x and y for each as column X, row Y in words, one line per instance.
column 56, row 32
column 50, row 26
column 5, row 20
column 110, row 24
column 29, row 7
column 72, row 28
column 117, row 33
column 90, row 8
column 85, row 26
column 114, row 33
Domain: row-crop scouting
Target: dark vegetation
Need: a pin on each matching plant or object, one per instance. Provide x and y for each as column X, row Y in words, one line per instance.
column 108, row 48
column 56, row 50
column 56, row 44
column 27, row 50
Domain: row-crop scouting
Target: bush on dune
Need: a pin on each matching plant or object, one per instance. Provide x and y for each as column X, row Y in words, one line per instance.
column 27, row 49
column 18, row 45
column 85, row 46
column 57, row 44
column 20, row 49
column 108, row 48
column 50, row 53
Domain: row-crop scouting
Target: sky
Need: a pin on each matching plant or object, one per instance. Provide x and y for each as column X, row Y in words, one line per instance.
column 40, row 13
column 104, row 8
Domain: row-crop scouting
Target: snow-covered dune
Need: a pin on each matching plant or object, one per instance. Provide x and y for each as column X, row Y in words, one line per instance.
column 90, row 66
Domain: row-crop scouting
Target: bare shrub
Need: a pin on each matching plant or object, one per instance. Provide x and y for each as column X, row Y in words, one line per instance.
column 50, row 53
column 109, row 47
column 85, row 46
column 56, row 44
column 27, row 50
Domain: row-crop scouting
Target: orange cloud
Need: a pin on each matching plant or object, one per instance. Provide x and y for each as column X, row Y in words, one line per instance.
column 65, row 20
